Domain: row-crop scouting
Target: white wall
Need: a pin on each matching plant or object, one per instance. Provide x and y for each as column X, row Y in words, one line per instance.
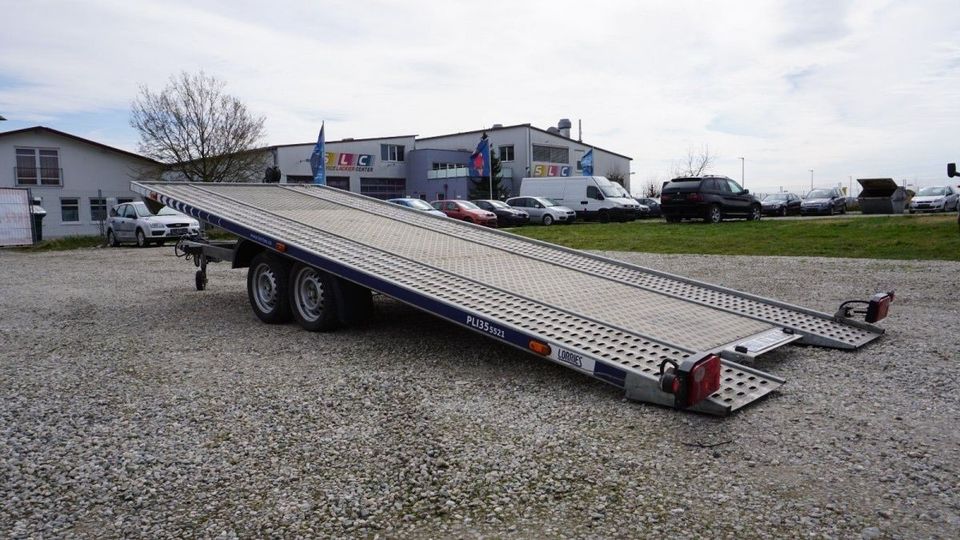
column 86, row 168
column 295, row 159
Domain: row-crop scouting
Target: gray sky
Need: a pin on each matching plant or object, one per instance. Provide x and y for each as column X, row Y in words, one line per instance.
column 846, row 88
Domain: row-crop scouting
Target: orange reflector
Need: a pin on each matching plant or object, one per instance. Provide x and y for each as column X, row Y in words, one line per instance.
column 539, row 347
column 281, row 247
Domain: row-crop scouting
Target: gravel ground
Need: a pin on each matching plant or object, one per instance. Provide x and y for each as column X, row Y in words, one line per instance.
column 135, row 406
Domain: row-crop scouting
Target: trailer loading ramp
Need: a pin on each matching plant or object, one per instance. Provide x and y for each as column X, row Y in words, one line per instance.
column 605, row 318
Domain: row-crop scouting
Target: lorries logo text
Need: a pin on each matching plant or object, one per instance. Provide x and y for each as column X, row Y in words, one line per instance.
column 570, row 357
column 546, row 169
column 344, row 161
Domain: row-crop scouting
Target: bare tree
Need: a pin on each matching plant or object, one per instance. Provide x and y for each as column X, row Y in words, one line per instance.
column 616, row 175
column 696, row 163
column 198, row 131
column 652, row 187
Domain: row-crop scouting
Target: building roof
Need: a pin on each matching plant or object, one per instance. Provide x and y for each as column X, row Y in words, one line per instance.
column 76, row 138
column 528, row 126
column 347, row 140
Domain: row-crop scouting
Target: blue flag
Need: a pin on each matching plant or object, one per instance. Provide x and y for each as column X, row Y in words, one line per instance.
column 480, row 159
column 318, row 161
column 586, row 163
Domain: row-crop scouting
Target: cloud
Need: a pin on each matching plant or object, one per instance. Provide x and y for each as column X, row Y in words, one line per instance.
column 840, row 87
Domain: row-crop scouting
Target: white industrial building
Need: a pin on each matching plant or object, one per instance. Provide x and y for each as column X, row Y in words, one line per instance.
column 437, row 167
column 76, row 179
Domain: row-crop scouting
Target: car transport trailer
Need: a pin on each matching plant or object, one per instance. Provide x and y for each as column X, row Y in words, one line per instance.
column 314, row 253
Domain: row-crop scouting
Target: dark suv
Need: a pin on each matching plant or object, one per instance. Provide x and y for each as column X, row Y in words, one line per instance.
column 710, row 198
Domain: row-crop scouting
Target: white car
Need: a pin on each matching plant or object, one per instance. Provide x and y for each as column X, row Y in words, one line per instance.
column 934, row 199
column 133, row 222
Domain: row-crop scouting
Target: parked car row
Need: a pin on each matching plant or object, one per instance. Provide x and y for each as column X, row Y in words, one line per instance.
column 715, row 198
column 513, row 212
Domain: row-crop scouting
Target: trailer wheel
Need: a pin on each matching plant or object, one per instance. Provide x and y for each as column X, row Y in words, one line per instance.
column 267, row 288
column 312, row 298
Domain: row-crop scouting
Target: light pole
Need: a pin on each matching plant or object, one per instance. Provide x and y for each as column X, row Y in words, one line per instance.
column 811, row 179
column 743, row 182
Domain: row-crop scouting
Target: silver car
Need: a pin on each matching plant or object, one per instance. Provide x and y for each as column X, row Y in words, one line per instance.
column 934, row 199
column 543, row 210
column 133, row 222
column 417, row 204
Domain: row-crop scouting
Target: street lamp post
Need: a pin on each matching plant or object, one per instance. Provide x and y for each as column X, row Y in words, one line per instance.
column 743, row 183
column 811, row 179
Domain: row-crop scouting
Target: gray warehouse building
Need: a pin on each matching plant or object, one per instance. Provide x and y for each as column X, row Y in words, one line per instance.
column 437, row 167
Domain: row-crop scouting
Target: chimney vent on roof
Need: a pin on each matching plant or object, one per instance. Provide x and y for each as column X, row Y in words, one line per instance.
column 553, row 130
column 496, row 126
column 564, row 127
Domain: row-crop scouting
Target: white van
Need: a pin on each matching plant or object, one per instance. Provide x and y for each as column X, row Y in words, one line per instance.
column 592, row 197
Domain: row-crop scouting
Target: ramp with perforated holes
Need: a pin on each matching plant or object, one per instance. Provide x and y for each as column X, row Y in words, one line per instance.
column 611, row 320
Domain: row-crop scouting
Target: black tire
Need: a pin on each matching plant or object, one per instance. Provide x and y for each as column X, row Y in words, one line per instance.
column 754, row 214
column 547, row 220
column 141, row 239
column 267, row 288
column 312, row 300
column 200, row 280
column 843, row 209
column 112, row 239
column 714, row 215
column 604, row 216
column 783, row 212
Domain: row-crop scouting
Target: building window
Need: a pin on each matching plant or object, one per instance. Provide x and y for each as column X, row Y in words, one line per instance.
column 506, row 153
column 38, row 165
column 339, row 182
column 447, row 170
column 391, row 152
column 70, row 210
column 551, row 154
column 299, row 179
column 383, row 188
column 98, row 209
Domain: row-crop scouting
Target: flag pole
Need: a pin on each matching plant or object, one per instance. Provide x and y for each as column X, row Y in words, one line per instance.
column 490, row 174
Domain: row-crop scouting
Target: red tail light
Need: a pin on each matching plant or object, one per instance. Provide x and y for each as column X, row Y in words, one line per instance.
column 665, row 197
column 692, row 381
column 695, row 197
column 879, row 306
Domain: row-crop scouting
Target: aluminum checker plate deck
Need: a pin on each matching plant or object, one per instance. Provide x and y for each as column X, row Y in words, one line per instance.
column 474, row 276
